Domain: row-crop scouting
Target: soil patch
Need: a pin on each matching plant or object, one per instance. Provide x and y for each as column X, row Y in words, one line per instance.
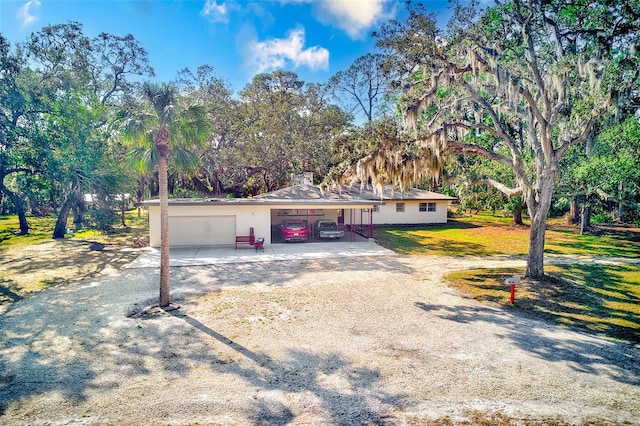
column 369, row 340
column 27, row 269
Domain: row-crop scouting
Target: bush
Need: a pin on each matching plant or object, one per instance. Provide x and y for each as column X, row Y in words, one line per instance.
column 102, row 218
column 601, row 218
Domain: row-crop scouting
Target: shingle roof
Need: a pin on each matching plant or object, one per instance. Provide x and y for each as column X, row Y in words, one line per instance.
column 313, row 194
column 310, row 192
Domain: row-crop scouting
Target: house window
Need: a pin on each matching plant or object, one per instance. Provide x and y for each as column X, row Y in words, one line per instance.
column 400, row 207
column 427, row 207
column 376, row 208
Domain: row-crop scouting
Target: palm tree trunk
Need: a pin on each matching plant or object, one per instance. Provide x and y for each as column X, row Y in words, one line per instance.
column 164, row 227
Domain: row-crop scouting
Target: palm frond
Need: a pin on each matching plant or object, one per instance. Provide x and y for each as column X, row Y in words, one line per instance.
column 184, row 159
column 142, row 159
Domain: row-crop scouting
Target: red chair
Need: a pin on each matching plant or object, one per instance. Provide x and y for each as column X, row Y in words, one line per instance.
column 259, row 244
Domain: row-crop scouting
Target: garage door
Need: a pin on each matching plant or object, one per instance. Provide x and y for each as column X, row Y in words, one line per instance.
column 202, row 230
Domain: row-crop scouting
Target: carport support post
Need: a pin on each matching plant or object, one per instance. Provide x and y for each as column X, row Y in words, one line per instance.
column 352, row 218
column 310, row 222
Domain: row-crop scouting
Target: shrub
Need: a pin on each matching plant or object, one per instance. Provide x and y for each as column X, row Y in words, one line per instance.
column 102, row 218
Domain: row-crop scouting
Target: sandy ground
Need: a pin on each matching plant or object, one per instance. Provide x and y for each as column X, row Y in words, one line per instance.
column 360, row 340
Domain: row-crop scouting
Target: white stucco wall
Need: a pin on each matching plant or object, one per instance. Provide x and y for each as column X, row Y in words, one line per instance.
column 245, row 217
column 387, row 214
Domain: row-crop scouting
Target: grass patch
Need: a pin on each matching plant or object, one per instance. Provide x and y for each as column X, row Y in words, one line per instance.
column 33, row 262
column 455, row 239
column 602, row 299
column 599, row 298
column 487, row 235
column 40, row 229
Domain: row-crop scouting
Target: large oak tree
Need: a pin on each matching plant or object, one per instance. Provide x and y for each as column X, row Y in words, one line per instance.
column 535, row 78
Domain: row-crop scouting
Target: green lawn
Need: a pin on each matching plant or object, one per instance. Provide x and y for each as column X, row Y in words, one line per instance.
column 41, row 229
column 487, row 235
column 600, row 298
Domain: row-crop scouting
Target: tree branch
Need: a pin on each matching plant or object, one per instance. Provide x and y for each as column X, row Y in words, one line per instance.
column 509, row 192
column 473, row 149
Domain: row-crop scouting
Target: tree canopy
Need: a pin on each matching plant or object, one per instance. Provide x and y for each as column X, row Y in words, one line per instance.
column 518, row 83
column 502, row 97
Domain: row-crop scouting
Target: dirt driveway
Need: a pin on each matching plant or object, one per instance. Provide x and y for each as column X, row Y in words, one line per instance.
column 360, row 340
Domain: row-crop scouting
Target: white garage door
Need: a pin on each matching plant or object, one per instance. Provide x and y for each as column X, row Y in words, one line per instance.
column 202, row 230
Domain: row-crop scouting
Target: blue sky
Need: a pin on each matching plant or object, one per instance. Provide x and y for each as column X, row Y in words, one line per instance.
column 313, row 38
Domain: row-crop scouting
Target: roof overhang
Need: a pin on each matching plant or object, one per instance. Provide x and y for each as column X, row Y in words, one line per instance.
column 259, row 202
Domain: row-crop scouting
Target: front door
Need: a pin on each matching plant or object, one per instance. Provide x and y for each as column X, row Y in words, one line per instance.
column 340, row 217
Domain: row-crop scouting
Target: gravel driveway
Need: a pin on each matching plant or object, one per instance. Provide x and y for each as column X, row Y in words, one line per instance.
column 359, row 340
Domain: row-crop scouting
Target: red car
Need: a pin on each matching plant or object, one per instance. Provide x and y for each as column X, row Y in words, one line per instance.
column 294, row 230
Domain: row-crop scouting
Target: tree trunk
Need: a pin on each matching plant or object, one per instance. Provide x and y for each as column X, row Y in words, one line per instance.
column 79, row 208
column 620, row 205
column 201, row 187
column 78, row 218
column 18, row 206
column 538, row 205
column 585, row 224
column 123, row 210
column 574, row 216
column 164, row 227
column 60, row 229
column 517, row 215
column 535, row 258
column 140, row 193
column 153, row 185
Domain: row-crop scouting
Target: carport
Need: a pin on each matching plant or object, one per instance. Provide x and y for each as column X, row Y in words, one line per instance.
column 345, row 215
column 310, row 203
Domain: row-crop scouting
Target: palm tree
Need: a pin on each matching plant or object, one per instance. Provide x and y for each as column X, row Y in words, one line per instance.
column 162, row 125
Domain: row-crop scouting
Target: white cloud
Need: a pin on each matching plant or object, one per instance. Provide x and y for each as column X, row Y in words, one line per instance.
column 277, row 53
column 215, row 12
column 354, row 17
column 24, row 14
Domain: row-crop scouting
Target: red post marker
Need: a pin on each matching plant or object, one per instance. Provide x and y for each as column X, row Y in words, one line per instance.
column 511, row 282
